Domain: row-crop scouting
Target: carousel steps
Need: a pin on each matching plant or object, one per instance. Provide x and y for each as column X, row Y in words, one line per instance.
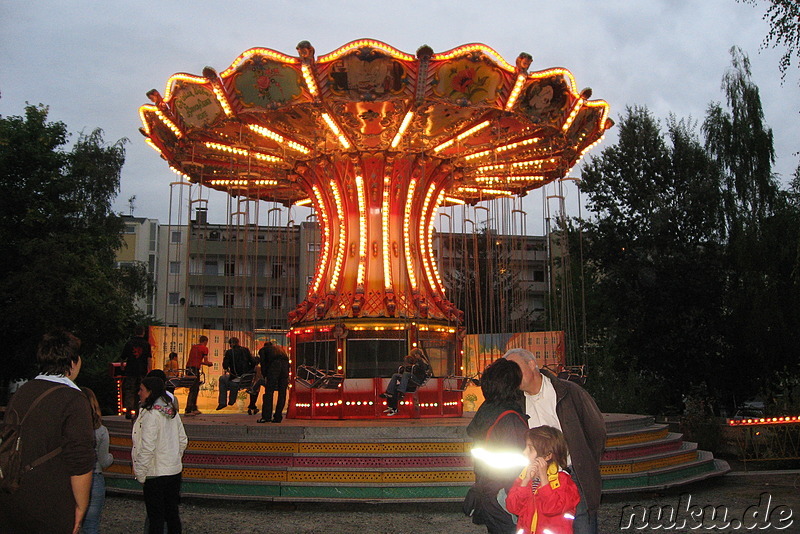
column 397, row 461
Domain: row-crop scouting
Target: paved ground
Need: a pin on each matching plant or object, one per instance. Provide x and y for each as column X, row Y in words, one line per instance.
column 764, row 501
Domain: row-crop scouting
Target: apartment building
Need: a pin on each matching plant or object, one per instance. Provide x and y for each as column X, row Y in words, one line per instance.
column 140, row 237
column 242, row 278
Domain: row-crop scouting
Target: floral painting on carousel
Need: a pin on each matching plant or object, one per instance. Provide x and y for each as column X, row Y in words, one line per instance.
column 468, row 80
column 265, row 83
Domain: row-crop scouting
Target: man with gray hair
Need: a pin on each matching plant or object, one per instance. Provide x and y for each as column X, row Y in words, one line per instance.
column 568, row 407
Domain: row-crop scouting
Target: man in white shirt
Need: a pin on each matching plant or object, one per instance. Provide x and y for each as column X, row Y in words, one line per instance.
column 568, row 407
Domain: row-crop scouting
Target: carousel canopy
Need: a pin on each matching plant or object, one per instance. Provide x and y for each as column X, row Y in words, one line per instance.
column 256, row 128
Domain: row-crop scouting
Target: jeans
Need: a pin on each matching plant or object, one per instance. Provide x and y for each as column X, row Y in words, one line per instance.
column 162, row 495
column 585, row 522
column 194, row 389
column 403, row 379
column 91, row 523
column 228, row 388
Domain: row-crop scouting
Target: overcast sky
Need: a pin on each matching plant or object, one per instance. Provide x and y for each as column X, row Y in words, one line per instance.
column 93, row 62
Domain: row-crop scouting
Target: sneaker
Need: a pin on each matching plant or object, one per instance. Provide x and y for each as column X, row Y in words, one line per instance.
column 197, row 412
column 385, row 396
column 391, row 413
column 220, row 406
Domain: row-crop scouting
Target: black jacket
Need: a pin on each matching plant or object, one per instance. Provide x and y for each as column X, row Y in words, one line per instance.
column 274, row 366
column 136, row 353
column 238, row 361
column 507, row 434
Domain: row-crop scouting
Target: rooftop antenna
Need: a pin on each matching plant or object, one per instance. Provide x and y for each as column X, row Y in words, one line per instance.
column 131, row 204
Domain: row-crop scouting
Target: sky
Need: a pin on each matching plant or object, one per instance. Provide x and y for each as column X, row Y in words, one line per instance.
column 92, row 62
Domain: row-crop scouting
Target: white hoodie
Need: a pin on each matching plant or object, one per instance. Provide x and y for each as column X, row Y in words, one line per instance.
column 158, row 442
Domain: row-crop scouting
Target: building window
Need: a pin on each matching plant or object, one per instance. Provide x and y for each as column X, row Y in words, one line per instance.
column 227, row 300
column 174, row 298
column 230, row 268
column 177, row 237
column 314, row 247
column 174, row 267
column 278, row 270
column 211, row 268
column 538, row 276
column 129, row 229
column 210, row 299
column 153, row 236
column 276, row 302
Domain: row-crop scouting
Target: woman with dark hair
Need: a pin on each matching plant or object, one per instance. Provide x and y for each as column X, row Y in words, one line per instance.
column 499, row 426
column 158, row 444
column 58, row 439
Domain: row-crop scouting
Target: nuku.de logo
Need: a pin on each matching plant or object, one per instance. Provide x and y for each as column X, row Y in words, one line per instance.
column 685, row 515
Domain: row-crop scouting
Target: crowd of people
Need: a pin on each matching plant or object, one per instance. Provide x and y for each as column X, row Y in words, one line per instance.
column 553, row 426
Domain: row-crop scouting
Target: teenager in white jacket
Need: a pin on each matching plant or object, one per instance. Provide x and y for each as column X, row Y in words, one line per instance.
column 158, row 444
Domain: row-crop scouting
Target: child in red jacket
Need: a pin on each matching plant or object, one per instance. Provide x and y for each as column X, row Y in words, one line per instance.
column 544, row 497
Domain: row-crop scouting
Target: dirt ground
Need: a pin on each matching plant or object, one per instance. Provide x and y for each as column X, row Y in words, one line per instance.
column 763, row 501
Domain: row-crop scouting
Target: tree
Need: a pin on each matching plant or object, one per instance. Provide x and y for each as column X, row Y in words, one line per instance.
column 58, row 237
column 653, row 269
column 761, row 292
column 784, row 20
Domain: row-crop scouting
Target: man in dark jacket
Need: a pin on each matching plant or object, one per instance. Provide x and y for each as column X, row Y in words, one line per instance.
column 136, row 354
column 237, row 362
column 567, row 406
column 275, row 369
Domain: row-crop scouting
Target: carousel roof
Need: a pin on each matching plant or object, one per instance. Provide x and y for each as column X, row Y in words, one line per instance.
column 252, row 128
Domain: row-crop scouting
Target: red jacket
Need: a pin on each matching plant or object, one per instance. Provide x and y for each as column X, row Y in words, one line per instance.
column 551, row 506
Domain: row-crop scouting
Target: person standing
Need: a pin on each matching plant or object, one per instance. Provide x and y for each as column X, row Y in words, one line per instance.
column 568, row 407
column 499, row 426
column 198, row 356
column 91, row 524
column 159, row 440
column 237, row 362
column 136, row 354
column 52, row 497
column 275, row 370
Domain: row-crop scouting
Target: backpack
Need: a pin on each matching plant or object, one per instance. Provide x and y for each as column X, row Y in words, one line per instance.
column 11, row 447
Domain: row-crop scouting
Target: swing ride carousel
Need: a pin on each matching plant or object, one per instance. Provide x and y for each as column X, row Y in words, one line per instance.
column 376, row 141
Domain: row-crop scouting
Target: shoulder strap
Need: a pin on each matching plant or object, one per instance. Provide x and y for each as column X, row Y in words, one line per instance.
column 42, row 459
column 39, row 399
column 499, row 417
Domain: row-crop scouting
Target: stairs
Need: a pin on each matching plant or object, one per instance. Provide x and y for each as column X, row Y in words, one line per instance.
column 643, row 456
column 384, row 461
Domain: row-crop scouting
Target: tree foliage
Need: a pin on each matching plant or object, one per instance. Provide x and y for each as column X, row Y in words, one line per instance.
column 692, row 256
column 653, row 256
column 783, row 17
column 58, row 237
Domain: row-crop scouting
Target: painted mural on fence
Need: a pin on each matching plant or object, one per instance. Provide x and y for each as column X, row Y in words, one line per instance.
column 482, row 349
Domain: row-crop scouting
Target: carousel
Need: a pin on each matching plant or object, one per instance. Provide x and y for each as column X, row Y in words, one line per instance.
column 376, row 141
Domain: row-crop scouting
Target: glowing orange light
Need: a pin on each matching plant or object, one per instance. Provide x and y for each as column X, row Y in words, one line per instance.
column 266, row 52
column 362, row 43
column 512, row 98
column 403, row 126
column 269, row 134
column 407, row 233
column 326, row 240
column 362, row 231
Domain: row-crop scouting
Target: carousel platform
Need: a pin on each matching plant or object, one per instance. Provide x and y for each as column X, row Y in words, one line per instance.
column 230, row 456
